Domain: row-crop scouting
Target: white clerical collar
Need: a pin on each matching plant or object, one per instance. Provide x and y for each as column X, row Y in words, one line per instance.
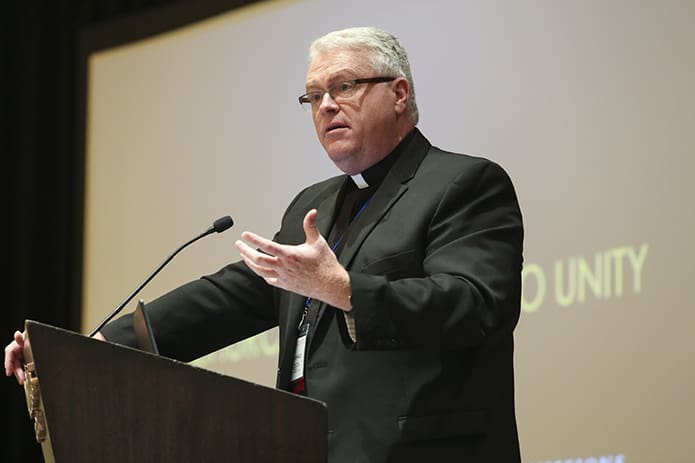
column 360, row 181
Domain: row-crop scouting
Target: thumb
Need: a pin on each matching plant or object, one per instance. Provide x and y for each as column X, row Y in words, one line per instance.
column 310, row 230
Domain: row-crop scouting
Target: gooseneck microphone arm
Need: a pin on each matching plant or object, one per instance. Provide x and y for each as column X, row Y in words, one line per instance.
column 220, row 225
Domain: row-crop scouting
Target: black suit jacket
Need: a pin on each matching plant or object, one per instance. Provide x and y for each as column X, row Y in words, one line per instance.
column 435, row 267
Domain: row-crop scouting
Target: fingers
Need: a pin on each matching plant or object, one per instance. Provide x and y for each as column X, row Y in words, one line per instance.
column 14, row 354
column 257, row 260
column 9, row 363
column 271, row 248
column 260, row 270
column 258, row 246
column 258, row 256
column 291, row 267
column 19, row 374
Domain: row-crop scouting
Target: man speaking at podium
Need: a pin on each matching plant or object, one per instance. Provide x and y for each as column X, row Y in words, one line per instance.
column 396, row 287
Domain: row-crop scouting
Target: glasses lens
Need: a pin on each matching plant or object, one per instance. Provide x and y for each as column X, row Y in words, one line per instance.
column 343, row 90
column 315, row 98
column 311, row 98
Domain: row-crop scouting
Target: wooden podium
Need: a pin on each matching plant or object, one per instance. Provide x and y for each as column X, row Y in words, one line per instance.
column 98, row 401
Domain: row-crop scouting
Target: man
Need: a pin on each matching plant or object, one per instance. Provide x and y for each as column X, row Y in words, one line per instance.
column 396, row 287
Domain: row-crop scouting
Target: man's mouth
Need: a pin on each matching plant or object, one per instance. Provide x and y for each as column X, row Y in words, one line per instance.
column 335, row 126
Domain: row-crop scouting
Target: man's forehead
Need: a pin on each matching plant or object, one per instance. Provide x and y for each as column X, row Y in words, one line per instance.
column 335, row 64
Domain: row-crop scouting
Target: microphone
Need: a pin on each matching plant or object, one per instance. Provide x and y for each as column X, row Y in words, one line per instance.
column 219, row 225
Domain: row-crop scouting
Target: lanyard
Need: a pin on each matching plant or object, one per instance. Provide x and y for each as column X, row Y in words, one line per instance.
column 342, row 235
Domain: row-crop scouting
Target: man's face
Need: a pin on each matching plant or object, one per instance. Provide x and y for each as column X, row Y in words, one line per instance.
column 359, row 131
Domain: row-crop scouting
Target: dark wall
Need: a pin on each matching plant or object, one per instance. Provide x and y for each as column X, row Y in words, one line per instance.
column 44, row 44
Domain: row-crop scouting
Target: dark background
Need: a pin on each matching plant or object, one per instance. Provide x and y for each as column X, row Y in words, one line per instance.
column 44, row 47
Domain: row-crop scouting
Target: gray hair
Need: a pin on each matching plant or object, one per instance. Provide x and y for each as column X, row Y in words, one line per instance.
column 386, row 54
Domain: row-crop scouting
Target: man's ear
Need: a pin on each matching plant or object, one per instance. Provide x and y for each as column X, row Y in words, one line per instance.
column 401, row 89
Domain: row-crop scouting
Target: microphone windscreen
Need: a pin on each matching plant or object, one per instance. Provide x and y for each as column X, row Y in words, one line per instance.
column 222, row 224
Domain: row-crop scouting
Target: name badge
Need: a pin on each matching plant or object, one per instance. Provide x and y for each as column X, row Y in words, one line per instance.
column 297, row 375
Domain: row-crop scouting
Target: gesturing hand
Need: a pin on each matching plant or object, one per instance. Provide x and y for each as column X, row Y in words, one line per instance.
column 310, row 269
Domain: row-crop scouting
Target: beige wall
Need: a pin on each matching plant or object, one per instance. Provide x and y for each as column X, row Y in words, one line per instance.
column 588, row 104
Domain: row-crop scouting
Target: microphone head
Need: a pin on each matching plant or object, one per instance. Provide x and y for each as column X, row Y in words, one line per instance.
column 222, row 224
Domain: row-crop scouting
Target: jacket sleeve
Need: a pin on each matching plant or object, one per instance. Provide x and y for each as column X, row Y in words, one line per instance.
column 204, row 315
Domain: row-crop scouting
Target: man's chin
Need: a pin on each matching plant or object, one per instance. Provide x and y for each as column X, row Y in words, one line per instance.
column 345, row 161
column 339, row 152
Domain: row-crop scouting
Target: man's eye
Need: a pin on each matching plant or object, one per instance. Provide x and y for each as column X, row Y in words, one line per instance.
column 315, row 97
column 344, row 87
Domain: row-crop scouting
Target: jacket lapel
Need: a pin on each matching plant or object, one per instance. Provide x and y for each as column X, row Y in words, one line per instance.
column 389, row 192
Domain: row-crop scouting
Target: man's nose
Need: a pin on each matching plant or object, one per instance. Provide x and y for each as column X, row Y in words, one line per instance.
column 327, row 103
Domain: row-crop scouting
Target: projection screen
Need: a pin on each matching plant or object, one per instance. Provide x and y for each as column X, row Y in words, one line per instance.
column 589, row 106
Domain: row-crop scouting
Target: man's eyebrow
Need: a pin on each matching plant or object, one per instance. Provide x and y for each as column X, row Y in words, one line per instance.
column 311, row 86
column 332, row 80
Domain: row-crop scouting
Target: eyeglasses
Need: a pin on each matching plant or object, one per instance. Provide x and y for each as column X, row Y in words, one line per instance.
column 345, row 89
